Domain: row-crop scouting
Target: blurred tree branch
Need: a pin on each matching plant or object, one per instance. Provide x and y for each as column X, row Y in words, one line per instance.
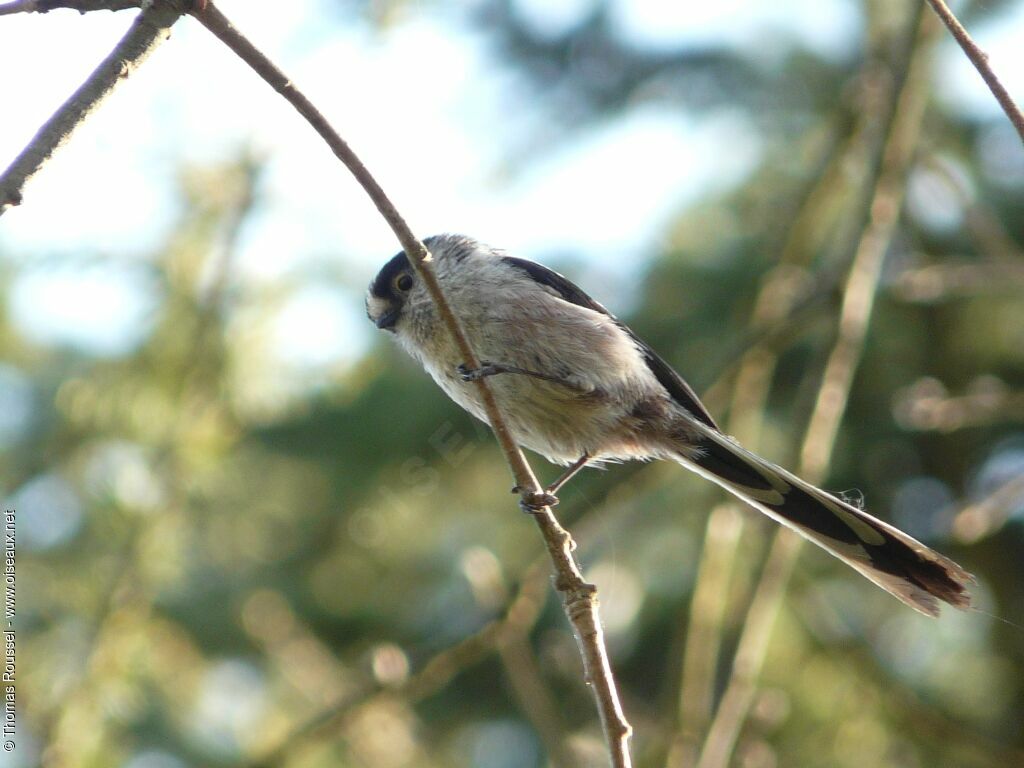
column 521, row 615
column 955, row 279
column 519, row 618
column 126, row 602
column 777, row 300
column 905, row 111
column 940, row 727
column 980, row 519
column 782, row 290
column 927, row 406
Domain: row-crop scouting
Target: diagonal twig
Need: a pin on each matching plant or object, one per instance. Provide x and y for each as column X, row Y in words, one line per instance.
column 578, row 596
column 150, row 28
column 980, row 61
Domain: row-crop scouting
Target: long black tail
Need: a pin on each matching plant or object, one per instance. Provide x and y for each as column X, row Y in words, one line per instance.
column 899, row 564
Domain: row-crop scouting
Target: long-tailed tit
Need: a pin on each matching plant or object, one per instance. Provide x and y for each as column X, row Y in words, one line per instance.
column 578, row 386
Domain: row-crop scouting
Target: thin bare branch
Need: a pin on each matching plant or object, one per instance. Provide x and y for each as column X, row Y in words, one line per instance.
column 980, row 61
column 579, row 597
column 904, row 123
column 82, row 6
column 150, row 28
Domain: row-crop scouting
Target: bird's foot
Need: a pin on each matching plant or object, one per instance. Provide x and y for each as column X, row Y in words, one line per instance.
column 475, row 374
column 535, row 502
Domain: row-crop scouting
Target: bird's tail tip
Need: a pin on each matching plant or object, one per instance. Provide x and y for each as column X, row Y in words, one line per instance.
column 910, row 571
column 925, row 587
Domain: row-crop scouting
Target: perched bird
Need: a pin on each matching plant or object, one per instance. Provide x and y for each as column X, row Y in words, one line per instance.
column 577, row 386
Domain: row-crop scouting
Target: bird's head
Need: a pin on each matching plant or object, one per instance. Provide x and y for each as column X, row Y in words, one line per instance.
column 397, row 286
column 389, row 292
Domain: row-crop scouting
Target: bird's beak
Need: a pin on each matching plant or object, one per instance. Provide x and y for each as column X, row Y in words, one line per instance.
column 382, row 312
column 386, row 321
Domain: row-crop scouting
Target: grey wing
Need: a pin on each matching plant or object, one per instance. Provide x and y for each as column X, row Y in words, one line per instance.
column 676, row 386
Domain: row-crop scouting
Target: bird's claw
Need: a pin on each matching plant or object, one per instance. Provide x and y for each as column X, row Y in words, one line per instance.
column 474, row 374
column 535, row 502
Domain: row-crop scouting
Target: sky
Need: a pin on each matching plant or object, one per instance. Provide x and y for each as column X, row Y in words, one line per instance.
column 605, row 195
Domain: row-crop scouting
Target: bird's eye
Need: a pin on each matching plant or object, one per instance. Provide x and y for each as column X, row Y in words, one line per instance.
column 403, row 282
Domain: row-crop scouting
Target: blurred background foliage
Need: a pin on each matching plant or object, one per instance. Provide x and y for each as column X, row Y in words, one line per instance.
column 218, row 570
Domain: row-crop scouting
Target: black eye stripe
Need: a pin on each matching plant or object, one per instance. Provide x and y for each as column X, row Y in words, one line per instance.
column 383, row 284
